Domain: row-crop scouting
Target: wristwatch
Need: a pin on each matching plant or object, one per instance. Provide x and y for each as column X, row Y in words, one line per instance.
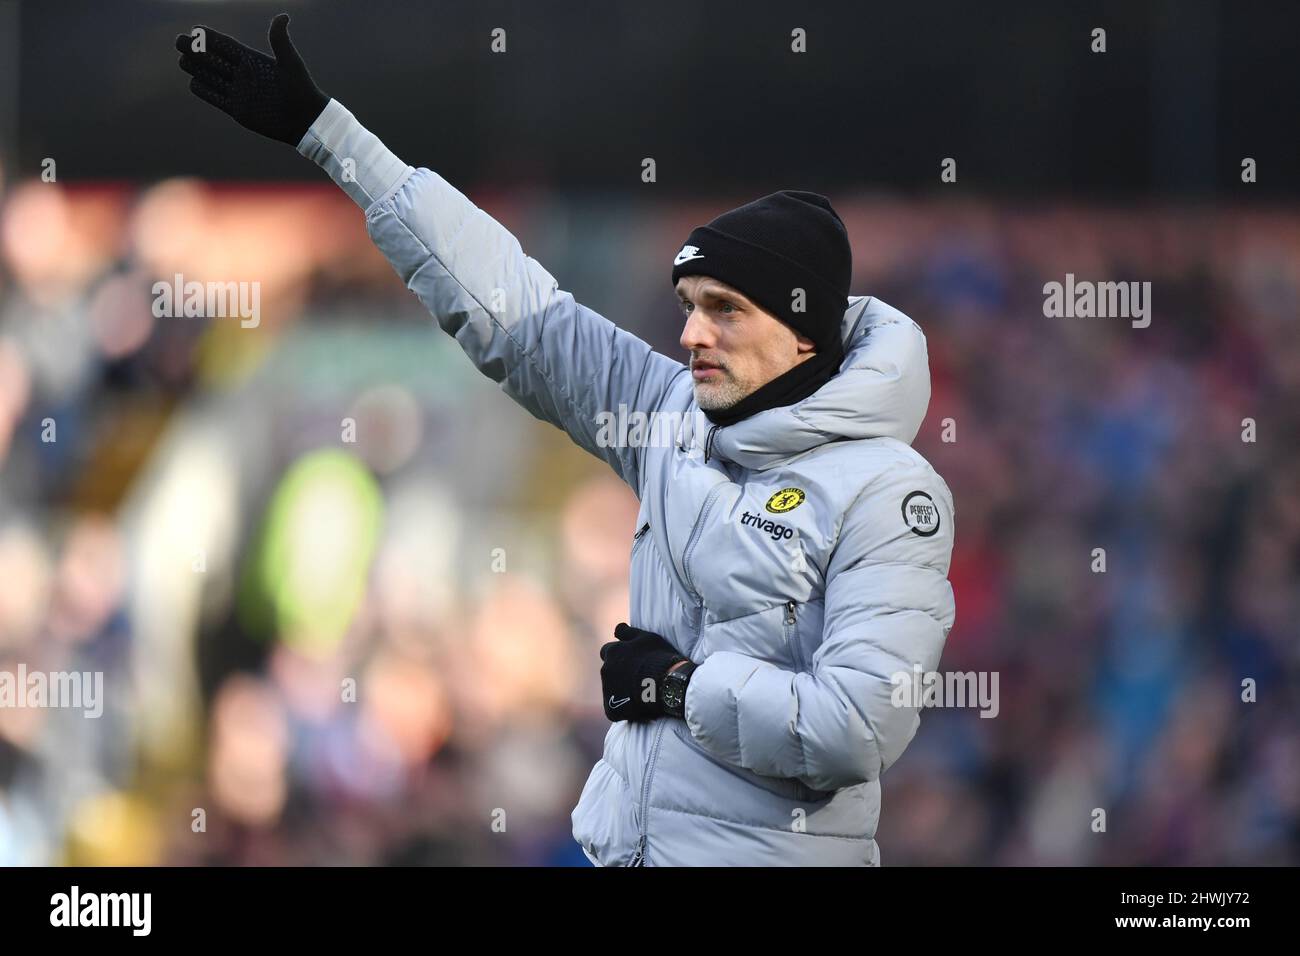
column 673, row 695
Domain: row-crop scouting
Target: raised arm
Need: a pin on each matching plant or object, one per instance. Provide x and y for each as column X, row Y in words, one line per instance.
column 561, row 361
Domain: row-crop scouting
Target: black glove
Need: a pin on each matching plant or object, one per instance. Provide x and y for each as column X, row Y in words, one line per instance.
column 274, row 97
column 635, row 658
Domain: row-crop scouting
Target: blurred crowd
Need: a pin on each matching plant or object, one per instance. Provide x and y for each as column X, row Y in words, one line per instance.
column 347, row 598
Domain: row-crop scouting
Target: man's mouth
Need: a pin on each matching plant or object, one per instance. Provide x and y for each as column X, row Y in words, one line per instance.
column 703, row 371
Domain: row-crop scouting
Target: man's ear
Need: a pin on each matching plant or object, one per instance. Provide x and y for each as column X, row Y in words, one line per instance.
column 805, row 344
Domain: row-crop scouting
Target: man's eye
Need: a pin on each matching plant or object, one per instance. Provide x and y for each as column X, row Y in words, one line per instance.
column 726, row 307
column 685, row 307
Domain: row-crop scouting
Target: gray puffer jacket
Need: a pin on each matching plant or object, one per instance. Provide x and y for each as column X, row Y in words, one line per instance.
column 799, row 557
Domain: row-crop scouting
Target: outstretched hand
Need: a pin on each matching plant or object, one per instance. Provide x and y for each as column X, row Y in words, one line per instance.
column 273, row 97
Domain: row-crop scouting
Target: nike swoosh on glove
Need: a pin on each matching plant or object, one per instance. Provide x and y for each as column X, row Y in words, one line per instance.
column 632, row 675
column 274, row 97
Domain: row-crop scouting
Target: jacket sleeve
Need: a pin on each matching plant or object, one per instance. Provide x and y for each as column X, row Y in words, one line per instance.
column 561, row 361
column 889, row 606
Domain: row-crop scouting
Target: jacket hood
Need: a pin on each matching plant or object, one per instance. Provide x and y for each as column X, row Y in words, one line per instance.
column 882, row 390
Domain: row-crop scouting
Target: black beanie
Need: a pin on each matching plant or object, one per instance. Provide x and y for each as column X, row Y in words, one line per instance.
column 771, row 247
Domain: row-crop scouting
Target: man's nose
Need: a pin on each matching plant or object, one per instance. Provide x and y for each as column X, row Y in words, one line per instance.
column 697, row 334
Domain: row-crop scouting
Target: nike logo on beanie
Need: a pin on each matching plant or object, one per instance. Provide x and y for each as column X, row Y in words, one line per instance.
column 687, row 254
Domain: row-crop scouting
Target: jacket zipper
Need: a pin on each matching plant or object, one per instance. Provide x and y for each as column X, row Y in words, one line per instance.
column 638, row 859
column 708, row 442
column 695, row 536
column 792, row 635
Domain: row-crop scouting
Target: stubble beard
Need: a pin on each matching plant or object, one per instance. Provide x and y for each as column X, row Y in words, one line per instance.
column 719, row 395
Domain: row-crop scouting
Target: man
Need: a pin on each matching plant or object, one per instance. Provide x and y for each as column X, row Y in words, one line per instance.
column 792, row 550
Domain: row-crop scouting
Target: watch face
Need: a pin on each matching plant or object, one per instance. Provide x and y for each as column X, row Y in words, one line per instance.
column 673, row 693
column 674, row 685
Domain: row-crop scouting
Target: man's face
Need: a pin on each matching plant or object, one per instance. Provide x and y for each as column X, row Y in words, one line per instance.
column 735, row 346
